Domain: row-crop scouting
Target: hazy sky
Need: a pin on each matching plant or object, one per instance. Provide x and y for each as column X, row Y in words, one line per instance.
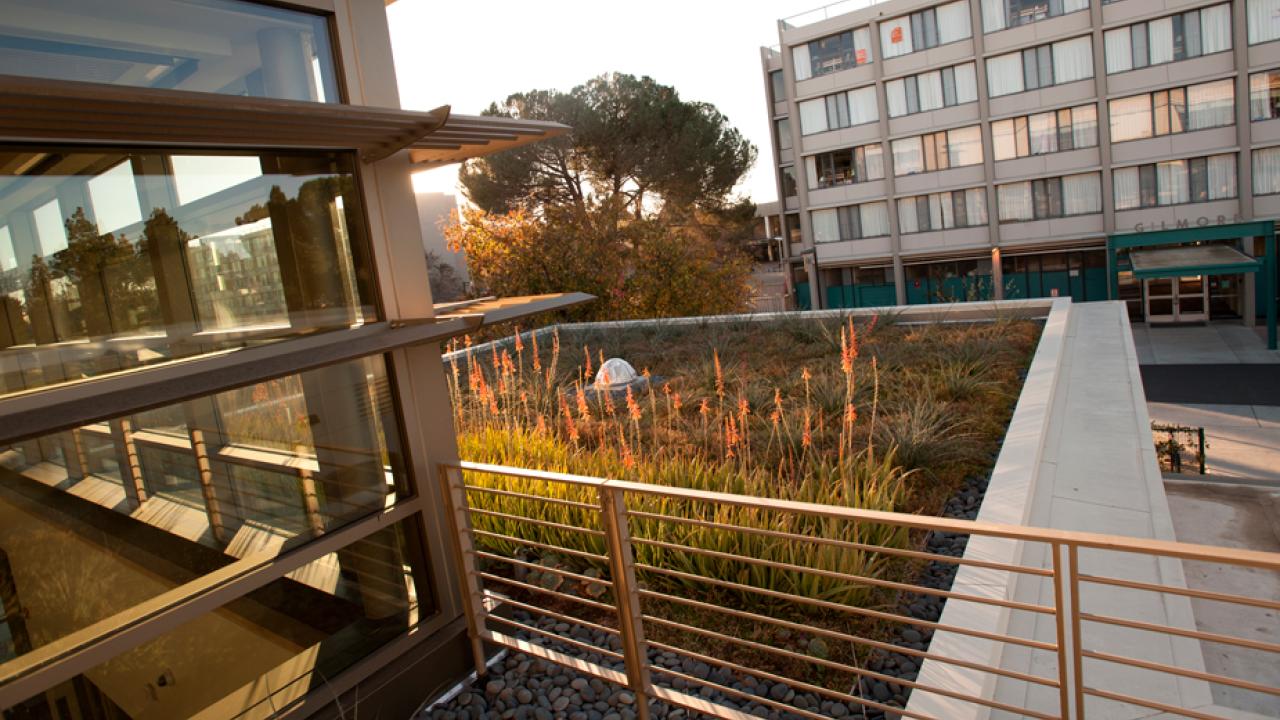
column 468, row 54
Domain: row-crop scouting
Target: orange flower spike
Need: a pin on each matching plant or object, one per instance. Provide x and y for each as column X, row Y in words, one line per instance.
column 584, row 410
column 633, row 408
column 537, row 361
column 519, row 340
column 676, row 402
column 587, row 353
column 705, row 408
column 744, row 409
column 541, row 428
column 850, row 415
column 715, row 356
column 806, row 439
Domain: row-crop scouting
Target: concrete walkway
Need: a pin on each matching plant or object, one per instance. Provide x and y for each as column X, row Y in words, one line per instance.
column 1211, row 344
column 1243, row 440
column 1242, row 517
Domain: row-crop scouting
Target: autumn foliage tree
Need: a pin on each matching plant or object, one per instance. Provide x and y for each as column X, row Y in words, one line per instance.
column 634, row 205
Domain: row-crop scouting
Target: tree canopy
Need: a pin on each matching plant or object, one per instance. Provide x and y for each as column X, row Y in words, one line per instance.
column 633, row 141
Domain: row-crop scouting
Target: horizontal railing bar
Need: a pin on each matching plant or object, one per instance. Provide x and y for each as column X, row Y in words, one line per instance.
column 1034, row 644
column 845, row 577
column 828, row 605
column 797, row 684
column 544, row 546
column 1167, row 548
column 502, row 599
column 544, row 591
column 533, row 521
column 543, row 653
column 862, row 672
column 733, row 692
column 847, row 544
column 1152, row 704
column 1194, row 634
column 546, row 475
column 536, row 498
column 1172, row 670
column 588, row 647
column 1189, row 592
column 697, row 704
column 541, row 568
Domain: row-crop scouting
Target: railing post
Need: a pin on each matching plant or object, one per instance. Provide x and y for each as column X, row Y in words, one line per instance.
column 135, row 491
column 1077, row 658
column 455, row 503
column 1059, row 610
column 204, row 469
column 613, row 511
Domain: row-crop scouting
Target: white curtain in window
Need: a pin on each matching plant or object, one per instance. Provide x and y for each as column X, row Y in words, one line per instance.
column 1215, row 29
column 993, row 15
column 862, row 45
column 1014, row 201
column 826, row 226
column 862, row 106
column 1264, row 21
column 1266, row 171
column 908, row 221
column 1074, row 5
column 1043, row 129
column 813, row 116
column 1072, row 60
column 895, row 37
column 1222, row 176
column 1004, row 74
column 1211, row 104
column 1004, row 145
column 1119, row 47
column 784, row 134
column 875, row 219
column 1160, row 40
column 953, row 22
column 1124, row 184
column 1081, row 194
column 976, row 206
column 966, row 83
column 942, row 214
column 1260, row 96
column 811, row 171
column 908, row 156
column 800, row 59
column 964, row 146
column 929, row 87
column 1172, row 187
column 1084, row 126
column 895, row 94
column 875, row 161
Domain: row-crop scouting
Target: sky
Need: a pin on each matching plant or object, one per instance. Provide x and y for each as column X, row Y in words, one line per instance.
column 469, row 54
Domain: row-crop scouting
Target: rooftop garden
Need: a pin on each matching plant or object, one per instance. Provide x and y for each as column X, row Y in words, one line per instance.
column 866, row 412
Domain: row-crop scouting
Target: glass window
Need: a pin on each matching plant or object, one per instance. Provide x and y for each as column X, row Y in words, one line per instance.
column 789, row 188
column 1266, row 171
column 925, row 29
column 1264, row 20
column 784, row 134
column 813, row 116
column 862, row 106
column 283, row 461
column 1001, row 14
column 1014, row 201
column 1211, row 104
column 777, row 86
column 1131, row 118
column 262, row 652
column 908, row 156
column 1264, row 95
column 1169, row 39
column 1004, row 74
column 8, row 256
column 233, row 249
column 1175, row 110
column 965, row 146
column 220, row 46
column 1050, row 198
column 1175, row 182
column 832, row 54
column 1072, row 60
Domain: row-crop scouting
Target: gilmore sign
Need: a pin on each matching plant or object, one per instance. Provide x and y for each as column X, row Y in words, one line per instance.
column 1202, row 221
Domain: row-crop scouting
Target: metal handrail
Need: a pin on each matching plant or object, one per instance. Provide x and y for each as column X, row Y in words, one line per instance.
column 633, row 607
column 827, row 12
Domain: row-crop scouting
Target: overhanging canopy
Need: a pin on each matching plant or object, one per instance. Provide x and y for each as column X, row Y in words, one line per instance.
column 1183, row 260
column 55, row 111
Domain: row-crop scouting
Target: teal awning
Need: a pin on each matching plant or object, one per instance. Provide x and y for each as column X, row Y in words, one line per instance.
column 1184, row 260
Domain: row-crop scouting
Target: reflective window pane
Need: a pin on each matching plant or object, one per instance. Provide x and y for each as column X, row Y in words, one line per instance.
column 232, row 249
column 98, row 519
column 231, row 47
column 260, row 654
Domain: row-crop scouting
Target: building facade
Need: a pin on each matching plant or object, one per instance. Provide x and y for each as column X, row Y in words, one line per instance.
column 931, row 152
column 223, row 409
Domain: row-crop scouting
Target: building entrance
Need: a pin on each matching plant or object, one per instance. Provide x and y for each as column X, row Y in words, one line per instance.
column 1182, row 299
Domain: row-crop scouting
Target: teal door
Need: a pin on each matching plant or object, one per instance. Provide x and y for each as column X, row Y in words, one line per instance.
column 802, row 296
column 876, row 296
column 1055, row 280
column 1095, row 284
column 918, row 292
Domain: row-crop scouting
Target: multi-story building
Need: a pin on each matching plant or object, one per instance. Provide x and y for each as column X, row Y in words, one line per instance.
column 932, row 151
column 222, row 404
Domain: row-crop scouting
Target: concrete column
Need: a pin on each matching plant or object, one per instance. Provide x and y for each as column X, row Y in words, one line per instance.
column 1244, row 122
column 1104, row 119
column 988, row 147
